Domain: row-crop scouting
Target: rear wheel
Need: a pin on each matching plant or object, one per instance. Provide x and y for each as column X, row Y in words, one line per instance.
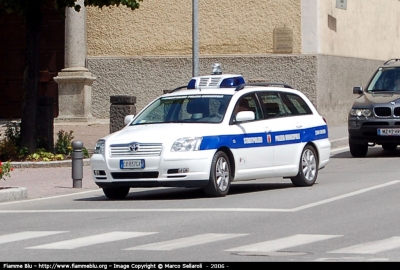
column 358, row 150
column 389, row 146
column 220, row 176
column 116, row 193
column 308, row 168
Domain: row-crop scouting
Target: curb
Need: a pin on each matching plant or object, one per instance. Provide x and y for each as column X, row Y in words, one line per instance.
column 47, row 164
column 13, row 193
column 340, row 142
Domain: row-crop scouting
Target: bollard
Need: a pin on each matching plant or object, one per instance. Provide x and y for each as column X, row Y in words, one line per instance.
column 77, row 163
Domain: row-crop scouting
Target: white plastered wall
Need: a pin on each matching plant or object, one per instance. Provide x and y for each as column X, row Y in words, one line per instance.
column 310, row 26
column 366, row 29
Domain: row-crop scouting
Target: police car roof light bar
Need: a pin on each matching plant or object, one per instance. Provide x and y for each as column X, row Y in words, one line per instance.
column 242, row 86
column 216, row 69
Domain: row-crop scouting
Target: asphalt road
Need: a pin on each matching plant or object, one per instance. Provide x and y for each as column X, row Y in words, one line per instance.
column 350, row 214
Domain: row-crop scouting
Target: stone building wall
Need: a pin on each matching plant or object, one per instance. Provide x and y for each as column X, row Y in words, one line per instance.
column 327, row 80
column 143, row 52
column 164, row 28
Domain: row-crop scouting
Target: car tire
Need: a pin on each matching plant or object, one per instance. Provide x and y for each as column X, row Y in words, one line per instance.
column 389, row 146
column 220, row 176
column 116, row 193
column 308, row 168
column 358, row 150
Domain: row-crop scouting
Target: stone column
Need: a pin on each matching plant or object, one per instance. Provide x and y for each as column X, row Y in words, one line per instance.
column 75, row 81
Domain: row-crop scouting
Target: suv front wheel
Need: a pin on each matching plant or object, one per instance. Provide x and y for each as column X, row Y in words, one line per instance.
column 358, row 150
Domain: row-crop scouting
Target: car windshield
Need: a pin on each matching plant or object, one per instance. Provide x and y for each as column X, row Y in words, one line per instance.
column 385, row 80
column 185, row 109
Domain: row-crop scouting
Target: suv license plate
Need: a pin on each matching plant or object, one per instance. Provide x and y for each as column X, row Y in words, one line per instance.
column 389, row 131
column 132, row 164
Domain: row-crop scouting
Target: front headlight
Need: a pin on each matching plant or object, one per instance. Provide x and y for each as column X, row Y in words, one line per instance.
column 187, row 144
column 100, row 145
column 361, row 112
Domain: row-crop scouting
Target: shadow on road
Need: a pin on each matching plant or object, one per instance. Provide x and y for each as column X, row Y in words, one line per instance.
column 373, row 152
column 160, row 194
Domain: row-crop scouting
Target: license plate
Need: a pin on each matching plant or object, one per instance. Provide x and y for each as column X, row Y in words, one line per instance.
column 389, row 131
column 132, row 164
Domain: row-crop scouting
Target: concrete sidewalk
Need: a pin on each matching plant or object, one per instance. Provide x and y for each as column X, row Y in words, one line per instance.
column 44, row 179
column 30, row 180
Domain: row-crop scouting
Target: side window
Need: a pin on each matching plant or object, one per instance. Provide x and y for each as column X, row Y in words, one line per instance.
column 248, row 103
column 295, row 104
column 273, row 105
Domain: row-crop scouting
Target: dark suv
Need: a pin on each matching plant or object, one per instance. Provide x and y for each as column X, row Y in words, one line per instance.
column 374, row 118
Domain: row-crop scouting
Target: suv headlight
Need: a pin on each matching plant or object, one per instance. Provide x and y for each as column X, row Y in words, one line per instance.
column 186, row 144
column 361, row 112
column 100, row 145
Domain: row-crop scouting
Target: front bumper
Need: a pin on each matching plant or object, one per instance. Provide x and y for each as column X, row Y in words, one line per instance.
column 191, row 169
column 363, row 132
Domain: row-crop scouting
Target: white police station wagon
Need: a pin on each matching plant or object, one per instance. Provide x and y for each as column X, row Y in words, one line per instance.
column 212, row 132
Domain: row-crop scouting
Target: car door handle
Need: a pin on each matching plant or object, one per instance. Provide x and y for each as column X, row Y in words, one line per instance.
column 299, row 125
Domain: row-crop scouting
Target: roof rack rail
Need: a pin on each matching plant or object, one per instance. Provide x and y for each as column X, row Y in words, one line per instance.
column 179, row 88
column 240, row 87
column 391, row 60
column 174, row 90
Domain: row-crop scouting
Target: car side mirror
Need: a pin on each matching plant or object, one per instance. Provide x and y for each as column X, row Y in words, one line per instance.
column 245, row 116
column 358, row 90
column 128, row 119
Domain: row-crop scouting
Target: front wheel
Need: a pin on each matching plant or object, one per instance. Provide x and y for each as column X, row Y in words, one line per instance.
column 308, row 168
column 358, row 150
column 116, row 193
column 220, row 176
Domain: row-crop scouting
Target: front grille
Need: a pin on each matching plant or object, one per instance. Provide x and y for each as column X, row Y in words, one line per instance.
column 396, row 112
column 383, row 111
column 209, row 81
column 134, row 175
column 142, row 149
